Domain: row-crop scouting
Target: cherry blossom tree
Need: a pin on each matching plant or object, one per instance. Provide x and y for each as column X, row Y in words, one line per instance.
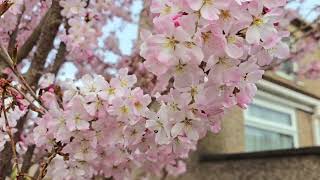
column 139, row 118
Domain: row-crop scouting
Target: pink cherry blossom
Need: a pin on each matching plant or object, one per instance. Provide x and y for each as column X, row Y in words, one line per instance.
column 144, row 115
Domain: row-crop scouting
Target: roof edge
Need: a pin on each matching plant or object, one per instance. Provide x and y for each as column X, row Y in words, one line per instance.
column 212, row 158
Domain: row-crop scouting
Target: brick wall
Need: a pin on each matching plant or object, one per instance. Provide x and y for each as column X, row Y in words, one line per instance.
column 230, row 139
column 301, row 164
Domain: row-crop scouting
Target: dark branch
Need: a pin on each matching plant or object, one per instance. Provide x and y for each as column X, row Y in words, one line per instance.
column 27, row 159
column 32, row 40
column 45, row 44
column 60, row 59
column 14, row 34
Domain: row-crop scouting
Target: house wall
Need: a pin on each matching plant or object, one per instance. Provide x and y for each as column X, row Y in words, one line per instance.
column 281, row 168
column 305, row 129
column 231, row 137
column 303, row 85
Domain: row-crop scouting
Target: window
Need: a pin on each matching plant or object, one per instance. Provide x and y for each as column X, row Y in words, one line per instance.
column 269, row 126
column 287, row 70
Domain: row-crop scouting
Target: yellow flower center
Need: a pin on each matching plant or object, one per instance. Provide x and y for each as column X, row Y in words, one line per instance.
column 208, row 2
column 138, row 105
column 174, row 106
column 206, row 36
column 222, row 60
column 271, row 50
column 180, row 67
column 189, row 44
column 93, row 88
column 171, row 43
column 167, row 9
column 124, row 110
column 194, row 91
column 231, row 39
column 257, row 21
column 111, row 91
column 225, row 14
column 187, row 122
column 77, row 119
column 124, row 83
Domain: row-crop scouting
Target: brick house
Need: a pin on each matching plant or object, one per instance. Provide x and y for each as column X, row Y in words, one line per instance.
column 275, row 138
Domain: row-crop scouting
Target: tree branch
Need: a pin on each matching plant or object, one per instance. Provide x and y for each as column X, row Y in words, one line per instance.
column 45, row 43
column 14, row 34
column 4, row 6
column 8, row 129
column 32, row 40
column 60, row 58
column 27, row 159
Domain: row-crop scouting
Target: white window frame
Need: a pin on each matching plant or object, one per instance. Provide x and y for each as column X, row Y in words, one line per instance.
column 316, row 125
column 316, row 131
column 287, row 76
column 290, row 130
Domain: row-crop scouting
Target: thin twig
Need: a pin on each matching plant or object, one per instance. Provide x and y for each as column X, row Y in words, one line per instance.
column 8, row 130
column 5, row 56
column 33, row 107
column 44, row 165
column 13, row 36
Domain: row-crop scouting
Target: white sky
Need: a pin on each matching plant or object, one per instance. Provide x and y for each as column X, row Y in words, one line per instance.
column 306, row 7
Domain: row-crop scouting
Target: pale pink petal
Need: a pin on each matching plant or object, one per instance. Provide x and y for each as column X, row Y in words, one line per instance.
column 155, row 67
column 216, row 127
column 255, row 8
column 151, row 123
column 195, row 4
column 210, row 13
column 255, row 76
column 71, row 125
column 165, row 56
column 176, row 129
column 234, row 51
column 274, row 3
column 91, row 108
column 253, row 35
column 82, row 125
column 222, row 4
column 161, row 137
column 282, row 51
column 192, row 133
column 264, row 58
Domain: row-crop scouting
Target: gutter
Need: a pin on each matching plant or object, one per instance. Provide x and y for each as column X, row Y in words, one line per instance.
column 274, row 154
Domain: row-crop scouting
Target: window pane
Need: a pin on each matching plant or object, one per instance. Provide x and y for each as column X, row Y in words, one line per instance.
column 287, row 67
column 259, row 140
column 269, row 115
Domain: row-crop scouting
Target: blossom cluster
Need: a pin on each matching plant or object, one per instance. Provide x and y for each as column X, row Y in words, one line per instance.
column 206, row 56
column 113, row 129
column 84, row 30
column 206, row 32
